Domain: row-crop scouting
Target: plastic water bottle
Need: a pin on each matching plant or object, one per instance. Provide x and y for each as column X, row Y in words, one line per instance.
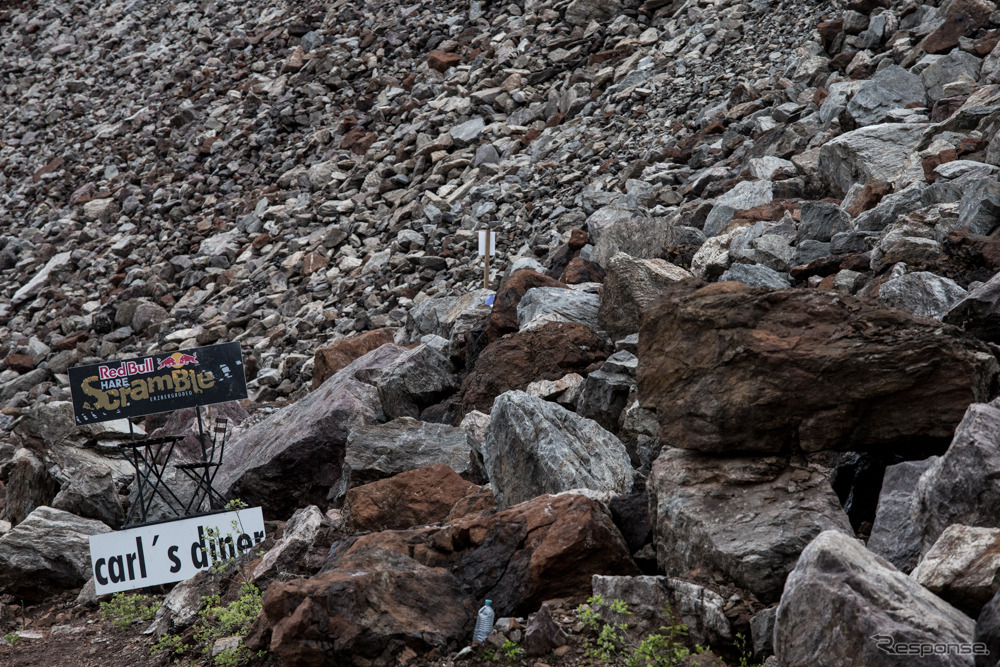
column 484, row 623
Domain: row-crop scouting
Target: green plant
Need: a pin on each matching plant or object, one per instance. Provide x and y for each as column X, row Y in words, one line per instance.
column 168, row 643
column 511, row 651
column 612, row 642
column 746, row 654
column 12, row 638
column 219, row 620
column 125, row 609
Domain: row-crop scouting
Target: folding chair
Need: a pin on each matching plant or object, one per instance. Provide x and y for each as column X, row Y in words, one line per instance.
column 203, row 472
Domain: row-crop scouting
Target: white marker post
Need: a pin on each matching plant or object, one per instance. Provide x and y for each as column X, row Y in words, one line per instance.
column 487, row 248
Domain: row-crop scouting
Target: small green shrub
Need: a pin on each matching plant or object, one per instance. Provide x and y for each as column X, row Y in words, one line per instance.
column 12, row 638
column 124, row 609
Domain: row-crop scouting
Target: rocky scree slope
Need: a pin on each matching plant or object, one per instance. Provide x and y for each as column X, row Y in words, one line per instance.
column 745, row 309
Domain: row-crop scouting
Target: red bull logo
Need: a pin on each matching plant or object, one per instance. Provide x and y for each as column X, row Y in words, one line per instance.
column 126, row 369
column 177, row 360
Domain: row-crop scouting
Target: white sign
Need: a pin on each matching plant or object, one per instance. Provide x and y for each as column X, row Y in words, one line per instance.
column 172, row 551
column 482, row 242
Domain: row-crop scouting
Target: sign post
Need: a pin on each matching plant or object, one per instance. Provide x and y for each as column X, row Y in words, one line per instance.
column 487, row 248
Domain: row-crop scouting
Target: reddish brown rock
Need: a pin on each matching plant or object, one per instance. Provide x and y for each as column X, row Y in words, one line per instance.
column 945, row 108
column 312, row 263
column 414, row 498
column 374, row 606
column 931, row 162
column 963, row 19
column 358, row 141
column 829, row 31
column 473, row 506
column 331, row 359
column 566, row 252
column 546, row 548
column 583, row 271
column 728, row 367
column 22, row 363
column 442, row 61
column 546, row 353
column 869, row 197
column 503, row 319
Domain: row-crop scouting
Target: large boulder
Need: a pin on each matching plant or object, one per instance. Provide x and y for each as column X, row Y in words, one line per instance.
column 728, row 367
column 382, row 450
column 46, row 553
column 631, row 285
column 515, row 361
column 962, row 567
column 988, row 632
column 448, row 317
column 979, row 311
column 413, row 498
column 884, row 152
column 415, row 380
column 894, row 534
column 744, row 195
column 91, row 493
column 744, row 519
column 302, row 549
column 963, row 485
column 545, row 548
column 503, row 318
column 29, row 485
column 891, row 88
column 844, row 606
column 921, row 293
column 330, row 359
column 375, row 605
column 560, row 304
column 533, row 447
column 295, row 456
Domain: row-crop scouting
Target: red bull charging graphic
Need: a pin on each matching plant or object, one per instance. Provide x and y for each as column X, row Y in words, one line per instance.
column 158, row 383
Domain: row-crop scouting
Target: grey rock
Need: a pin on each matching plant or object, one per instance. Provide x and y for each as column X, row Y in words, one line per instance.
column 808, row 250
column 877, row 152
column 46, row 553
column 963, row 485
column 697, row 607
column 962, row 567
column 744, row 519
column 762, row 632
column 773, row 251
column 853, row 241
column 295, row 456
column 839, row 595
column 606, row 218
column 415, row 380
column 638, row 236
column 894, row 534
column 542, row 634
column 988, row 631
column 979, row 209
column 91, row 494
column 181, row 606
column 891, row 88
column 745, row 195
column 821, row 220
column 147, row 314
column 468, row 132
column 383, row 450
column 948, row 69
column 449, row 317
column 979, row 311
column 57, row 263
column 582, row 12
column 629, row 286
column 558, row 303
column 890, row 208
column 921, row 293
column 533, row 447
column 756, row 275
column 302, row 549
column 836, row 101
column 30, row 485
column 604, row 395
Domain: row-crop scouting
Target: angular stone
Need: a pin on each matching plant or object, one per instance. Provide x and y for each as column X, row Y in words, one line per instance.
column 962, row 19
column 821, row 220
column 46, row 553
column 91, row 493
column 631, row 285
column 962, row 567
column 415, row 380
column 733, row 368
column 515, row 361
column 891, row 88
column 781, row 503
column 756, row 275
column 582, row 12
column 379, row 451
column 894, row 535
column 979, row 311
column 376, row 604
column 533, row 447
column 840, row 595
column 921, row 293
column 503, row 318
column 330, row 359
column 302, row 549
column 413, row 498
column 963, row 485
column 543, row 549
column 697, row 607
column 745, row 195
column 948, row 69
column 442, row 61
column 873, row 153
column 979, row 209
column 542, row 634
column 558, row 304
column 295, row 456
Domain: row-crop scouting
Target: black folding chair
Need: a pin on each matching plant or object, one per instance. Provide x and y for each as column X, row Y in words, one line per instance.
column 203, row 472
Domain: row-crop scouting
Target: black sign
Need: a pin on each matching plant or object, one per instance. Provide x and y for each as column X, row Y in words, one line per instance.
column 160, row 383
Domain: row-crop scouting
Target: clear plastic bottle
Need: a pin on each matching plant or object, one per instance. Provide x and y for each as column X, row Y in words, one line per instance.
column 484, row 622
